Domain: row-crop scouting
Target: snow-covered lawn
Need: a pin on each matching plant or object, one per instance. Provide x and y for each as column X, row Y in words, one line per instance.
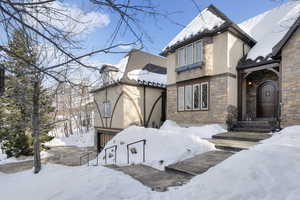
column 85, row 139
column 163, row 147
column 269, row 171
column 5, row 160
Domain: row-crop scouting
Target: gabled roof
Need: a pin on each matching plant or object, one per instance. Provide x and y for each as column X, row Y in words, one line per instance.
column 207, row 23
column 269, row 28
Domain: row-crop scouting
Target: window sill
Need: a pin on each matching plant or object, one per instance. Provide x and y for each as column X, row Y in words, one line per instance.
column 189, row 67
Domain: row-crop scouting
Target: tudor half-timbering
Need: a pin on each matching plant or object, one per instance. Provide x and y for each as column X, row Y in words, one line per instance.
column 216, row 66
column 132, row 92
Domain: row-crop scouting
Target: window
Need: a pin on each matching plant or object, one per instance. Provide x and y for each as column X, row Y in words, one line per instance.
column 204, row 96
column 181, row 57
column 188, row 97
column 180, row 98
column 193, row 97
column 198, row 52
column 196, row 97
column 106, row 109
column 190, row 54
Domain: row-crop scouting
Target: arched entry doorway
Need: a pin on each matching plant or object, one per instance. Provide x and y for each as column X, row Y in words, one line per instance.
column 267, row 98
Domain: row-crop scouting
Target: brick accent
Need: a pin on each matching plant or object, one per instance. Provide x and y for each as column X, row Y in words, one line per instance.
column 291, row 81
column 217, row 103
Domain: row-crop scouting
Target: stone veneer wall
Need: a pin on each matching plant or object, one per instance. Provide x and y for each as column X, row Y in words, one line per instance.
column 291, row 81
column 217, row 102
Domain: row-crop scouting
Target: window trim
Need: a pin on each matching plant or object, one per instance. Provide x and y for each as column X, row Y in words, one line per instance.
column 207, row 95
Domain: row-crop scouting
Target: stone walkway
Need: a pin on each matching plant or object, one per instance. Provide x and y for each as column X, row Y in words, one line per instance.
column 180, row 173
column 64, row 155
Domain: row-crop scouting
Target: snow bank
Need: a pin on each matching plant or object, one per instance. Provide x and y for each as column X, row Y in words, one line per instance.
column 270, row 27
column 59, row 182
column 163, row 147
column 206, row 131
column 269, row 171
column 81, row 140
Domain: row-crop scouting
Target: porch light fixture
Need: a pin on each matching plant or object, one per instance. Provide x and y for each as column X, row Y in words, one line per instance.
column 250, row 83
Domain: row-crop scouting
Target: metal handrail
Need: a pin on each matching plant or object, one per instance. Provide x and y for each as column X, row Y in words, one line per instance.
column 88, row 160
column 105, row 150
column 144, row 144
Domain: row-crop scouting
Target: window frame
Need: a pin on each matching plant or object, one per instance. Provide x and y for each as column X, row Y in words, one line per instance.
column 195, row 51
column 183, row 98
column 185, row 56
column 105, row 113
column 207, row 95
column 199, row 97
column 178, row 57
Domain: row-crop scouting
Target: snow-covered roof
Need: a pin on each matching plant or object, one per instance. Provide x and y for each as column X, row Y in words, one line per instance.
column 270, row 27
column 204, row 21
column 144, row 76
column 121, row 68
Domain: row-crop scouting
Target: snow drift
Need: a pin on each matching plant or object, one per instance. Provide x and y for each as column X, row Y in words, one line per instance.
column 163, row 146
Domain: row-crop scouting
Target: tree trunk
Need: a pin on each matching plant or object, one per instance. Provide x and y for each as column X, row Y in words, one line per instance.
column 36, row 126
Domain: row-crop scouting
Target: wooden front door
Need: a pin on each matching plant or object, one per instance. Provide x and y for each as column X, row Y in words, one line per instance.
column 267, row 100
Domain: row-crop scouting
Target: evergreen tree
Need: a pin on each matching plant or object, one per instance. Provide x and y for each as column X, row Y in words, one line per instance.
column 16, row 103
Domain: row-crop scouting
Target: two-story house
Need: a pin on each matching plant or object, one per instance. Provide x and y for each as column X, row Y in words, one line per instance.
column 215, row 65
column 132, row 92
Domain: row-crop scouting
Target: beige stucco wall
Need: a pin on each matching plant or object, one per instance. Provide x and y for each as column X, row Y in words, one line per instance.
column 130, row 107
column 112, row 95
column 291, row 81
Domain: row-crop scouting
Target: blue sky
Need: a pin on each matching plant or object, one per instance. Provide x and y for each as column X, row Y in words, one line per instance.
column 162, row 31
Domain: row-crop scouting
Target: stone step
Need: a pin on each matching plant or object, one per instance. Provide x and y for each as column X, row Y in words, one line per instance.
column 200, row 163
column 243, row 136
column 157, row 180
column 254, row 129
column 232, row 145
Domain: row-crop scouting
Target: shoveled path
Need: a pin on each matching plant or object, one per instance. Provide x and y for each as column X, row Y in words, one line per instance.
column 64, row 155
column 180, row 173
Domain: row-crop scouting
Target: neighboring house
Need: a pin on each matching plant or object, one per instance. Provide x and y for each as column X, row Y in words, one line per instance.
column 132, row 92
column 74, row 110
column 215, row 65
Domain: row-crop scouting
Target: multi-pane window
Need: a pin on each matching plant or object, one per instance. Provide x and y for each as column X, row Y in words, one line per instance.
column 193, row 97
column 181, row 57
column 190, row 54
column 188, row 97
column 198, row 52
column 196, row 97
column 180, row 98
column 107, row 110
column 204, row 96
